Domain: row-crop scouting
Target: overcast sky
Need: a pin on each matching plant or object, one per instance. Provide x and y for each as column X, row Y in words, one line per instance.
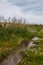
column 32, row 10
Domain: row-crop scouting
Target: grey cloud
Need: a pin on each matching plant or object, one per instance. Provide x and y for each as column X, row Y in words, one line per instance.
column 30, row 9
column 29, row 5
column 22, row 2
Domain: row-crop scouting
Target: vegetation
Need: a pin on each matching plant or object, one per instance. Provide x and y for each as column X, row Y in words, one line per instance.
column 33, row 56
column 13, row 34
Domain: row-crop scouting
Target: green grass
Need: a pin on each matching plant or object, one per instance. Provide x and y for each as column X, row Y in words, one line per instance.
column 12, row 36
column 33, row 56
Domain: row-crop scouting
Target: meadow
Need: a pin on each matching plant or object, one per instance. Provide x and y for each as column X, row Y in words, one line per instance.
column 12, row 36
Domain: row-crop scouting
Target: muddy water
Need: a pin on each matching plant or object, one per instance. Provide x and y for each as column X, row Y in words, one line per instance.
column 15, row 57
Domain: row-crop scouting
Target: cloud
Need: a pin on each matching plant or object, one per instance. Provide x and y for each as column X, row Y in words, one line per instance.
column 9, row 10
column 32, row 10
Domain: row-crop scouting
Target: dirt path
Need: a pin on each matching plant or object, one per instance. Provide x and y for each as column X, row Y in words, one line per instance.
column 15, row 57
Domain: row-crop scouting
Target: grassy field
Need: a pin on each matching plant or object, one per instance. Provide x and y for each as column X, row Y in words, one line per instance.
column 11, row 37
column 33, row 56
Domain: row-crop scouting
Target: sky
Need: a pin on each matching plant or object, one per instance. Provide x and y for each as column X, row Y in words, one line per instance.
column 31, row 10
